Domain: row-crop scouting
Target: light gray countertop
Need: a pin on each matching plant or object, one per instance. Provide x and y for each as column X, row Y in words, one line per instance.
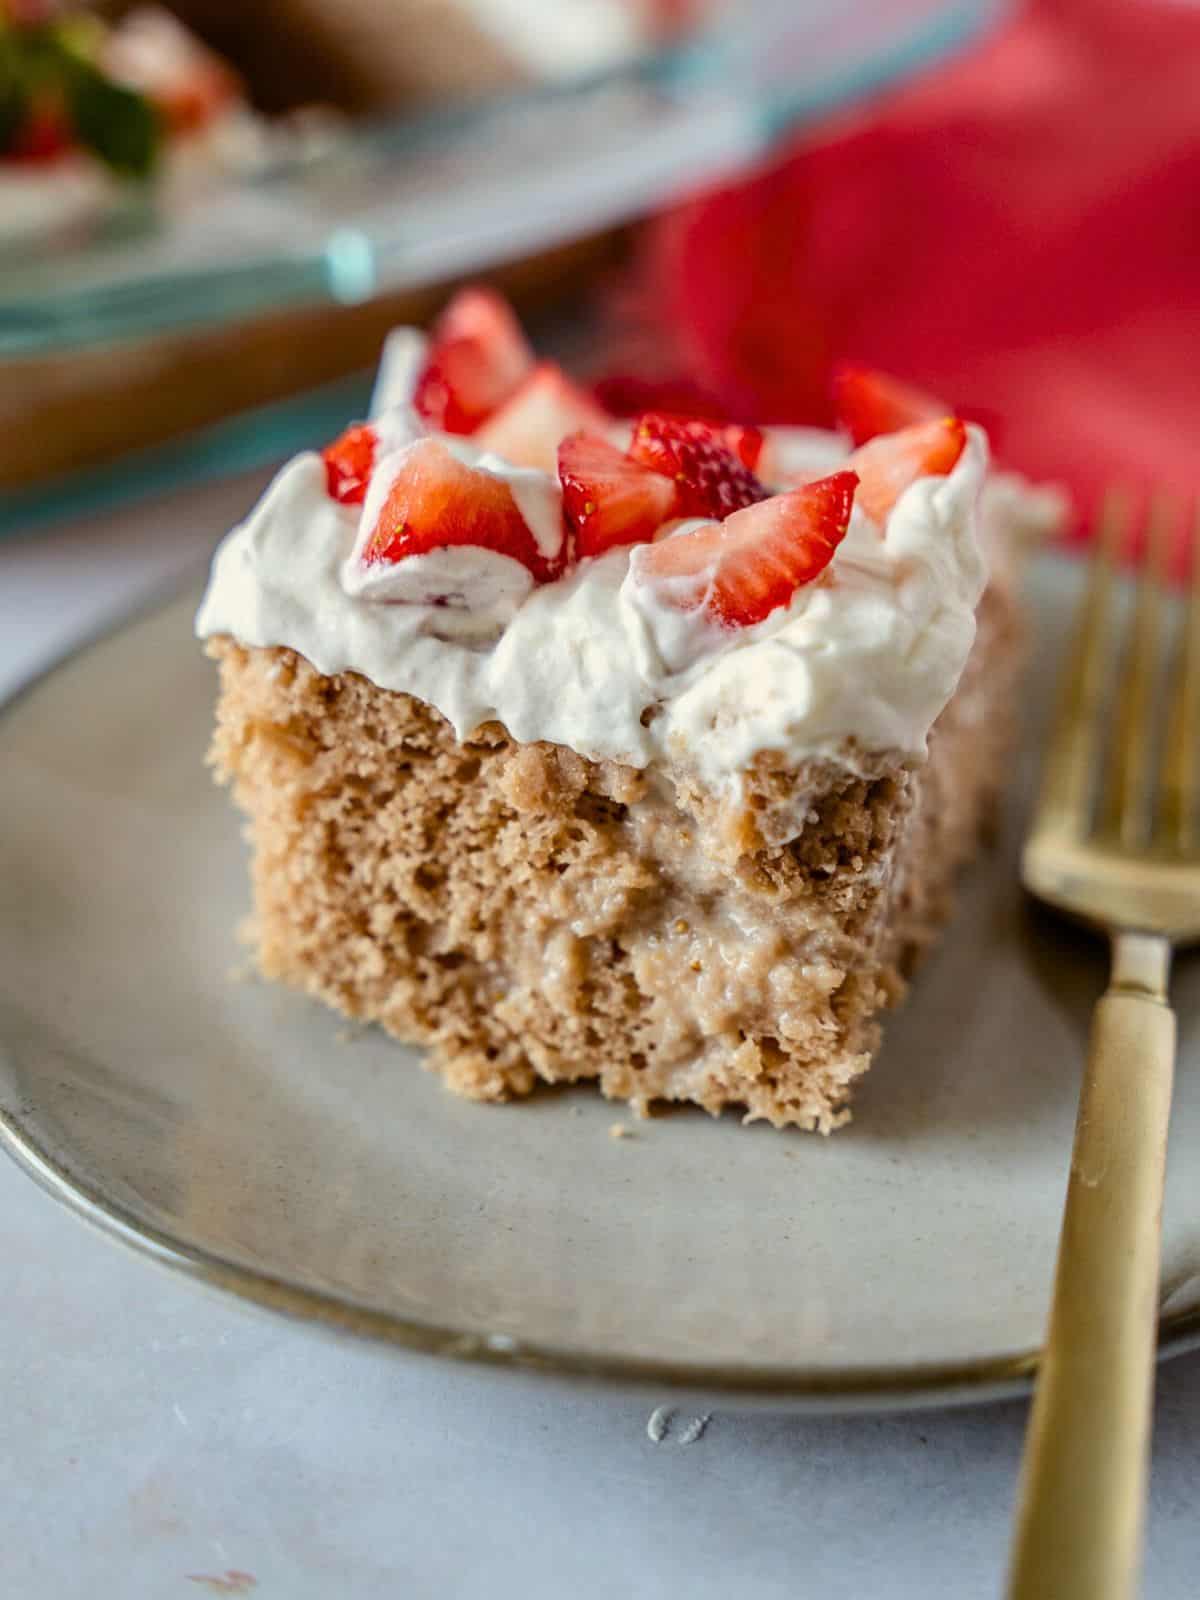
column 159, row 1441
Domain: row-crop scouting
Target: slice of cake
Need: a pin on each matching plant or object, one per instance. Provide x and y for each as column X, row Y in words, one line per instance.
column 646, row 753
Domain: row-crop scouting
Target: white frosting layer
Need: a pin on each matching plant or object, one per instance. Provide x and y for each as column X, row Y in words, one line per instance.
column 863, row 659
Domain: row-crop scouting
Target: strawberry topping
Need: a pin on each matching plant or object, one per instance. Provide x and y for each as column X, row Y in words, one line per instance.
column 478, row 357
column 710, row 479
column 436, row 503
column 745, row 441
column 528, row 428
column 887, row 465
column 348, row 462
column 868, row 403
column 742, row 569
column 608, row 498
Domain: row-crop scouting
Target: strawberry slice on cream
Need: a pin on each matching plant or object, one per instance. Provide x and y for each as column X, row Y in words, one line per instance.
column 887, row 465
column 442, row 525
column 740, row 570
column 529, row 427
column 706, row 463
column 868, row 403
column 608, row 498
column 477, row 357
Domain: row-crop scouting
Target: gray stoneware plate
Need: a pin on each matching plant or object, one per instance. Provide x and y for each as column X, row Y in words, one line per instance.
column 246, row 1136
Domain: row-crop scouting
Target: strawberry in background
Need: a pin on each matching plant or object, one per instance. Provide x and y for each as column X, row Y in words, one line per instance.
column 70, row 84
column 153, row 53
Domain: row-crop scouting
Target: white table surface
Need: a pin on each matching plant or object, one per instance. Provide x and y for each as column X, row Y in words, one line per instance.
column 156, row 1440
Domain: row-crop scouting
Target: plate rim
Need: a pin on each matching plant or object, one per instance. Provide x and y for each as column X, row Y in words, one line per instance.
column 890, row 1387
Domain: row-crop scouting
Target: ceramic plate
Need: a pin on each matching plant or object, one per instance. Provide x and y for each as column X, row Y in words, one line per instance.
column 247, row 1136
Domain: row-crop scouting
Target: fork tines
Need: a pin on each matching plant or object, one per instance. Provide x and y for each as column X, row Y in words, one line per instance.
column 1130, row 715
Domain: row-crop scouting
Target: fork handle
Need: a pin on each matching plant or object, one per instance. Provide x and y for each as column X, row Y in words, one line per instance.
column 1083, row 1482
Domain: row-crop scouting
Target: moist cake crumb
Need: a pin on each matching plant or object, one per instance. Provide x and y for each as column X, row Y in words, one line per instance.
column 528, row 914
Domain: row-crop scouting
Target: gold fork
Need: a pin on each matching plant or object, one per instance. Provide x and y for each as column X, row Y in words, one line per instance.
column 1115, row 844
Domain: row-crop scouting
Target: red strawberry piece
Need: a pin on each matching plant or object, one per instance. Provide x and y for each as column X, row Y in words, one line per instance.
column 745, row 441
column 528, row 428
column 484, row 315
column 625, row 395
column 868, row 403
column 196, row 95
column 711, row 481
column 607, row 498
column 477, row 357
column 43, row 136
column 348, row 462
column 887, row 465
column 437, row 503
column 742, row 569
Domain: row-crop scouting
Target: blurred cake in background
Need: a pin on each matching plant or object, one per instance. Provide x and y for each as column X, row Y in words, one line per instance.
column 158, row 164
column 91, row 109
column 94, row 100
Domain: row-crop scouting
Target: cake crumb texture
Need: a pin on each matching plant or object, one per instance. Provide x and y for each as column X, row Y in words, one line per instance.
column 528, row 914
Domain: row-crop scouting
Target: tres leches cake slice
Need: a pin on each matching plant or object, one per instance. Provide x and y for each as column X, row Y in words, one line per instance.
column 574, row 748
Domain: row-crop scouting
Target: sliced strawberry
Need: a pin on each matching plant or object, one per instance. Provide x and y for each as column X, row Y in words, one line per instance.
column 887, row 465
column 348, row 462
column 711, row 481
column 459, row 387
column 528, row 428
column 477, row 357
column 484, row 315
column 436, row 503
column 196, row 97
column 607, row 498
column 625, row 395
column 869, row 402
column 741, row 569
column 745, row 441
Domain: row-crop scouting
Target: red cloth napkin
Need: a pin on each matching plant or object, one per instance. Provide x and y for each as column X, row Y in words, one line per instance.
column 1019, row 232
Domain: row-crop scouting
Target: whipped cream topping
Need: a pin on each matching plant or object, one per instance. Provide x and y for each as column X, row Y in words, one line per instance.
column 860, row 663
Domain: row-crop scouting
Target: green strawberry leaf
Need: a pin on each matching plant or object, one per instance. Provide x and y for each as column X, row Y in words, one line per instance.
column 14, row 96
column 118, row 125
